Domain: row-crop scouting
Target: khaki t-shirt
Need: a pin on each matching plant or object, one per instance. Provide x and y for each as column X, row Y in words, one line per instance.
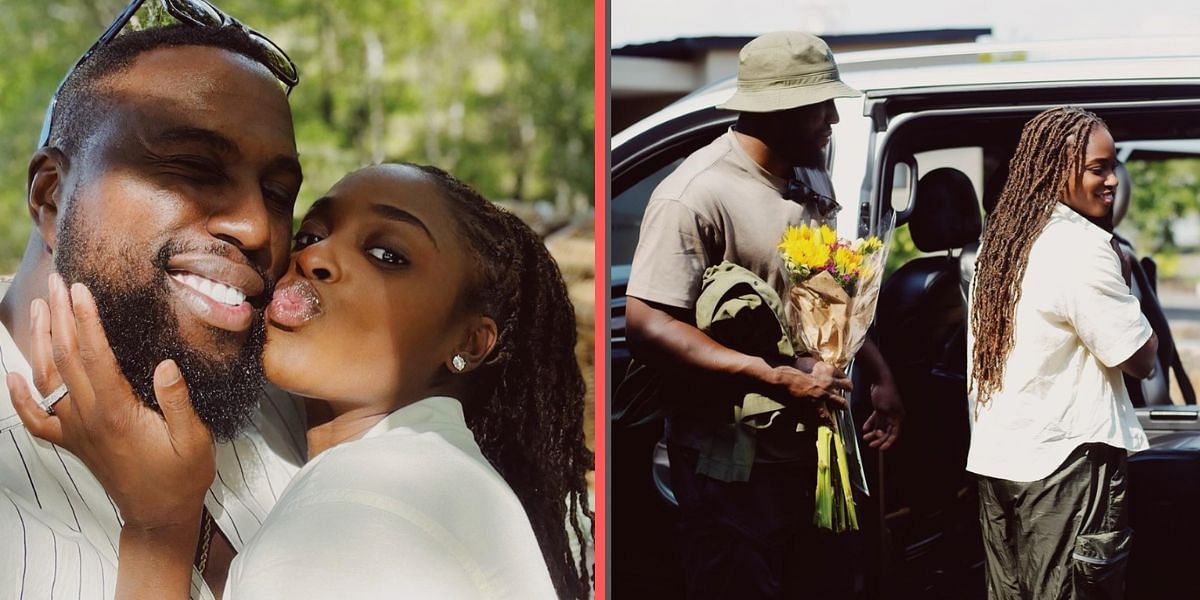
column 718, row 205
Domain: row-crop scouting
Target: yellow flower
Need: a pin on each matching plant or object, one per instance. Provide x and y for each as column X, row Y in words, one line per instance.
column 802, row 251
column 868, row 246
column 828, row 236
column 817, row 256
column 793, row 237
column 846, row 261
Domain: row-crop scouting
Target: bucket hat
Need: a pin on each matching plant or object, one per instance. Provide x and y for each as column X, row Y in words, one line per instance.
column 784, row 70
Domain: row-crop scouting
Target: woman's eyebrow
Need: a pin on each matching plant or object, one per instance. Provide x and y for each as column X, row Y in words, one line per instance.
column 392, row 213
column 319, row 205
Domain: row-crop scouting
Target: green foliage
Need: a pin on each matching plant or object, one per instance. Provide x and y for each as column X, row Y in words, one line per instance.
column 903, row 250
column 1163, row 192
column 498, row 92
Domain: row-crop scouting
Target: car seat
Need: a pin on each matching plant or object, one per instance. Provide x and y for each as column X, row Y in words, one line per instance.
column 921, row 331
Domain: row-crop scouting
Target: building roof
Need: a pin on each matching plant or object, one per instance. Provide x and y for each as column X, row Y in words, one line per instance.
column 693, row 47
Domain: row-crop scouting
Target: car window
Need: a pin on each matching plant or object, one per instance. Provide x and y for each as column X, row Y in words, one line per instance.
column 968, row 159
column 1162, row 221
column 627, row 210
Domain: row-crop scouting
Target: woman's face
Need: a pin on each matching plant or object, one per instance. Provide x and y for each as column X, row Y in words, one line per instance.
column 1092, row 192
column 366, row 312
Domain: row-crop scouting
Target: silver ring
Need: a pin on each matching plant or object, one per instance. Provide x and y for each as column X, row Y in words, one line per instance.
column 54, row 397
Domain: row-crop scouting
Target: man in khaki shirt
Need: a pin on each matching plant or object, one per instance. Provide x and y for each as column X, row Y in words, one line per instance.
column 732, row 200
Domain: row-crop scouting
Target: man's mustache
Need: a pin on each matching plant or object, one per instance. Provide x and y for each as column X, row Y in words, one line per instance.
column 224, row 251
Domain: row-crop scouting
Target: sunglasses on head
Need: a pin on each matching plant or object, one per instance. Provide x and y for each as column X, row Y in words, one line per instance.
column 196, row 13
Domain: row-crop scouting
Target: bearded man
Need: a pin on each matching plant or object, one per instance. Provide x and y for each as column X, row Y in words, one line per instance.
column 165, row 182
column 745, row 518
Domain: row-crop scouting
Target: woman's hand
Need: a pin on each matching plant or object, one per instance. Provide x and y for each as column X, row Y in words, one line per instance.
column 157, row 468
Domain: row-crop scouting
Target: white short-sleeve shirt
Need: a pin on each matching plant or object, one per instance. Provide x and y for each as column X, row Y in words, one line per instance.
column 1075, row 322
column 410, row 510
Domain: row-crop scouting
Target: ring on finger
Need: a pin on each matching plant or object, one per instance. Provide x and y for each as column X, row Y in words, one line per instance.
column 54, row 397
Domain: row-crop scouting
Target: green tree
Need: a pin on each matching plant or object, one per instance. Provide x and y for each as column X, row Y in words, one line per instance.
column 1163, row 191
column 498, row 92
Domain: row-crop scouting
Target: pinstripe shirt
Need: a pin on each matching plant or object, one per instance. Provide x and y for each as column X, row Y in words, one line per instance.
column 58, row 528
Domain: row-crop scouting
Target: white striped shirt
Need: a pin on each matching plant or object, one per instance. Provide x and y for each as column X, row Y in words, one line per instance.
column 58, row 528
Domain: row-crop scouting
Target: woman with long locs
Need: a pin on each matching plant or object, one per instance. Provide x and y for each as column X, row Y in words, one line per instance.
column 1052, row 327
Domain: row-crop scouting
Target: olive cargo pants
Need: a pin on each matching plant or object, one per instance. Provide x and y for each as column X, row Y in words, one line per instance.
column 1065, row 537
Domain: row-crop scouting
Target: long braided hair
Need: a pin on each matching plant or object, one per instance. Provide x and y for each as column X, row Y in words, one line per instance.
column 527, row 407
column 1049, row 157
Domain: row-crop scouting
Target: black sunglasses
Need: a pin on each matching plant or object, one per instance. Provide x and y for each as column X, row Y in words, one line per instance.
column 800, row 192
column 197, row 13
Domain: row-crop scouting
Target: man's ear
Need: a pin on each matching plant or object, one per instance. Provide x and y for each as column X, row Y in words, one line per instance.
column 44, row 191
column 477, row 344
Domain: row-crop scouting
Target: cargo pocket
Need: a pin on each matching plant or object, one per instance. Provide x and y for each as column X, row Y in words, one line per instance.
column 1099, row 562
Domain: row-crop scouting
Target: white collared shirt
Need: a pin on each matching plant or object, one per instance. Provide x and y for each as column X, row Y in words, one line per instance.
column 59, row 530
column 1075, row 323
column 410, row 510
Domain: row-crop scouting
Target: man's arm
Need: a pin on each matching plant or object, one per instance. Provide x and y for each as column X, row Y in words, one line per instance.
column 1141, row 364
column 882, row 428
column 660, row 336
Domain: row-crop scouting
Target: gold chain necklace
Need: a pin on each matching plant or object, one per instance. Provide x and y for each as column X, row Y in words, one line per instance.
column 205, row 542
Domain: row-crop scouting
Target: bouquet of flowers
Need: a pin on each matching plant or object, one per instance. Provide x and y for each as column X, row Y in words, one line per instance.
column 833, row 286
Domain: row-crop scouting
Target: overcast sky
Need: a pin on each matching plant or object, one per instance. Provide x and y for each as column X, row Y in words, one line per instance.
column 637, row 21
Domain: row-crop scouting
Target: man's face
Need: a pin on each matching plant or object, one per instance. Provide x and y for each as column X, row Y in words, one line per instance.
column 178, row 216
column 803, row 133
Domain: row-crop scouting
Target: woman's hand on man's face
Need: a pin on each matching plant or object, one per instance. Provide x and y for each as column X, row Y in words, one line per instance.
column 157, row 468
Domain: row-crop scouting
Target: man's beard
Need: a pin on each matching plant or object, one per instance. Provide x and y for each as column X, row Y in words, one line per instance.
column 143, row 332
column 811, row 156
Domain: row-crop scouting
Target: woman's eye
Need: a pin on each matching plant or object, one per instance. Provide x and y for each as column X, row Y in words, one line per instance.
column 387, row 256
column 303, row 239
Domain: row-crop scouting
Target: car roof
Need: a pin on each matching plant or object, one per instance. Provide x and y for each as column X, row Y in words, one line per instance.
column 984, row 66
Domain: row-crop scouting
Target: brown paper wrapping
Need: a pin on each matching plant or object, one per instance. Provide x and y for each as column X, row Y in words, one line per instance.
column 828, row 322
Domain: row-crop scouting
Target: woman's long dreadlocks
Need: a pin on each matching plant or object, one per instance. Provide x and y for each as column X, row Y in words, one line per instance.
column 1049, row 157
column 527, row 416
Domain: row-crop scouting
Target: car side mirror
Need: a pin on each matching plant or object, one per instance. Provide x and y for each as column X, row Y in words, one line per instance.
column 904, row 187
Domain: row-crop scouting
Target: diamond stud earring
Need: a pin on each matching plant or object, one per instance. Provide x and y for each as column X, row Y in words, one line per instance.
column 459, row 363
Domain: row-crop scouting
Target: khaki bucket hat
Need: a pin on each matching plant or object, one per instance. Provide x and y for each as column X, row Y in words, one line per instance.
column 783, row 70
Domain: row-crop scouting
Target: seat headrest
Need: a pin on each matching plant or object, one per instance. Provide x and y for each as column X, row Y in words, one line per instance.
column 945, row 211
column 1123, row 194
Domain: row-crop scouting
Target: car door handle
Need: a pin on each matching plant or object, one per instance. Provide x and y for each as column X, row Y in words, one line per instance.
column 1173, row 415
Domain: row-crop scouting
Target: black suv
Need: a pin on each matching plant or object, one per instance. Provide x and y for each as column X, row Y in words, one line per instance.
column 960, row 108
